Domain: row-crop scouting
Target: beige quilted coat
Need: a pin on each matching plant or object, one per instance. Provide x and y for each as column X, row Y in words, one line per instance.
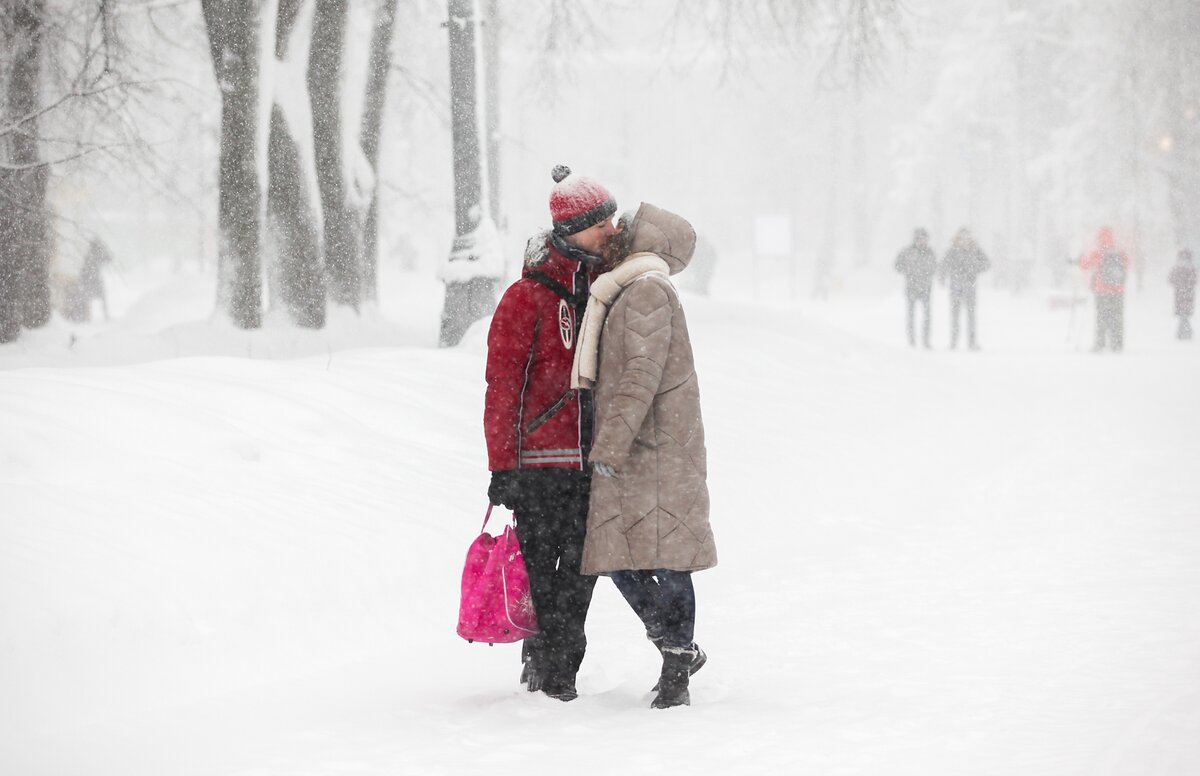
column 654, row 513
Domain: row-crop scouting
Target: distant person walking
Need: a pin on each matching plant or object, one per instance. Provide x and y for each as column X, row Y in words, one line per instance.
column 1183, row 277
column 1109, row 266
column 80, row 291
column 918, row 265
column 960, row 267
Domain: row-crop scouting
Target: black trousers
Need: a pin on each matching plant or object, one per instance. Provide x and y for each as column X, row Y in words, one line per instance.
column 1110, row 321
column 551, row 521
column 918, row 298
column 959, row 299
column 665, row 602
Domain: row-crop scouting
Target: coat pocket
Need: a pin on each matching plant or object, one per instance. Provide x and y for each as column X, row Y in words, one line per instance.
column 544, row 416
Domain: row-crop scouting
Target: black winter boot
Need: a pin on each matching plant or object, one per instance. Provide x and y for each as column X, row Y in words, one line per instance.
column 673, row 683
column 697, row 662
column 560, row 691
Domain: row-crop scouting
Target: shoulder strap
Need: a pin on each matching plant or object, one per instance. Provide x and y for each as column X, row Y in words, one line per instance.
column 575, row 300
column 578, row 300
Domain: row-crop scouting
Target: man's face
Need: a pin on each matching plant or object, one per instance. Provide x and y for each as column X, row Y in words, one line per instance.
column 594, row 238
column 614, row 251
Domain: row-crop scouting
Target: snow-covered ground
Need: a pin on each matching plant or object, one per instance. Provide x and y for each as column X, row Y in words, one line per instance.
column 238, row 553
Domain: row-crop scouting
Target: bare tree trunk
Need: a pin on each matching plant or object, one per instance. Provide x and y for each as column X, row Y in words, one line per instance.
column 376, row 98
column 24, row 222
column 468, row 163
column 341, row 230
column 469, row 296
column 296, row 241
column 290, row 218
column 234, row 28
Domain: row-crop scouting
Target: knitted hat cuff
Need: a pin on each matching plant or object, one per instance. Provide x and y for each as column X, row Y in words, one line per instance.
column 601, row 212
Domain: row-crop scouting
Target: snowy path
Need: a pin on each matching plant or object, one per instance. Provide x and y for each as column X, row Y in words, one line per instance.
column 931, row 563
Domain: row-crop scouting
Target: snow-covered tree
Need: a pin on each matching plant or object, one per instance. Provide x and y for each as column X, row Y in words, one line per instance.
column 24, row 232
column 237, row 32
column 343, row 214
column 293, row 236
column 379, row 65
column 474, row 265
column 492, row 36
column 322, row 147
column 1043, row 122
column 62, row 73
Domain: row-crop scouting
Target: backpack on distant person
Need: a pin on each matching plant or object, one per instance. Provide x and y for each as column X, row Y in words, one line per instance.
column 1112, row 268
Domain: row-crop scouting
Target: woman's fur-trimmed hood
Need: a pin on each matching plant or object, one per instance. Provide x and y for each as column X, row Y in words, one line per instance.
column 658, row 231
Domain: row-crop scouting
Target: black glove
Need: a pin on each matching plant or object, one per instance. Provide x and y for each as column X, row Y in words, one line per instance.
column 505, row 488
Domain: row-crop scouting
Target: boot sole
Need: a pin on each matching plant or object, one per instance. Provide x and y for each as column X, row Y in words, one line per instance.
column 565, row 696
column 683, row 700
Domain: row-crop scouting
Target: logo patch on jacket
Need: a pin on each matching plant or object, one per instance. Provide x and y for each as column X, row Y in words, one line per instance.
column 566, row 327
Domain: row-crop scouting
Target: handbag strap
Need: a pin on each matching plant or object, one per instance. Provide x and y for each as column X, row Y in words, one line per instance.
column 487, row 515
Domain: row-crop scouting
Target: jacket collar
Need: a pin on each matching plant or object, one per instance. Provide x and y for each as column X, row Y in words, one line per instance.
column 550, row 255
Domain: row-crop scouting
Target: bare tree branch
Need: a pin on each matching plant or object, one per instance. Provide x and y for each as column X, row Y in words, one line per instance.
column 15, row 126
column 45, row 163
column 863, row 29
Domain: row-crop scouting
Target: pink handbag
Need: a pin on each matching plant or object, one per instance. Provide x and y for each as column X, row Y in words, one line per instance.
column 496, row 605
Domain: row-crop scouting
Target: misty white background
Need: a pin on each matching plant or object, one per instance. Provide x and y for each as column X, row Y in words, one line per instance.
column 229, row 552
column 1026, row 123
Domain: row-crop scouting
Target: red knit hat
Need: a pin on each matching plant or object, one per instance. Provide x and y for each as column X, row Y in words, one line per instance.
column 577, row 202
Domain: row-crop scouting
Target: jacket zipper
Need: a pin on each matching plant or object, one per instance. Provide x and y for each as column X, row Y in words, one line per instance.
column 550, row 412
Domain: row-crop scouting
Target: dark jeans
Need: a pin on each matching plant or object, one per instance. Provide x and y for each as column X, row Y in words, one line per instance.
column 915, row 298
column 1110, row 320
column 1185, row 328
column 963, row 297
column 664, row 601
column 551, row 521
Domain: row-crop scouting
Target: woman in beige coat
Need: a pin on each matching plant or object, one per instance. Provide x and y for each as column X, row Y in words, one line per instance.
column 648, row 518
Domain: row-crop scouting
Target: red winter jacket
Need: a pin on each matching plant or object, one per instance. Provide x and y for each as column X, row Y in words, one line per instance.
column 1094, row 261
column 531, row 417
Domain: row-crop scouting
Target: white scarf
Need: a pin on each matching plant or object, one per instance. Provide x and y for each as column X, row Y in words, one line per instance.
column 605, row 289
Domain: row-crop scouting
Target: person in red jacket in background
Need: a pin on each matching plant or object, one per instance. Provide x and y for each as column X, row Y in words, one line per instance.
column 1109, row 266
column 539, row 430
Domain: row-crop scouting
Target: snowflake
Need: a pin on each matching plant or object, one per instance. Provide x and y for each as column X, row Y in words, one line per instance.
column 525, row 605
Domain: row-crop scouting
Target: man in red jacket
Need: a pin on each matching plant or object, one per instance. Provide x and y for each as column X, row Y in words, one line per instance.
column 1109, row 265
column 538, row 429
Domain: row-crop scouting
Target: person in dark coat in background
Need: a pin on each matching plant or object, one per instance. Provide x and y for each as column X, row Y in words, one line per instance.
column 1183, row 277
column 961, row 266
column 918, row 265
column 1109, row 266
column 78, row 293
